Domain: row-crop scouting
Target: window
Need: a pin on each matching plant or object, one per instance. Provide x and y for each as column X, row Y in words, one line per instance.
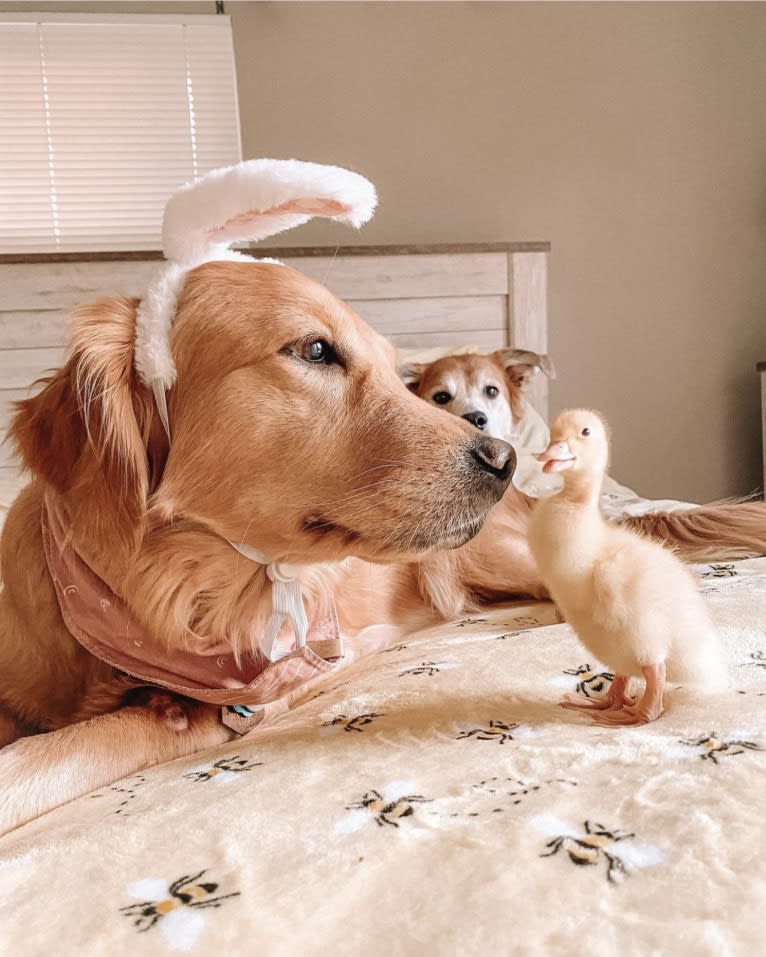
column 101, row 118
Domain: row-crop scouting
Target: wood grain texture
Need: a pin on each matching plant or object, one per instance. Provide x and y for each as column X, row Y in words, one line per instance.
column 528, row 314
column 62, row 286
column 33, row 329
column 488, row 339
column 406, row 277
column 20, row 367
column 433, row 314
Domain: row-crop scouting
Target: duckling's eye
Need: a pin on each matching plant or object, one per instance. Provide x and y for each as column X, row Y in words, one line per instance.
column 492, row 391
column 585, row 431
column 441, row 398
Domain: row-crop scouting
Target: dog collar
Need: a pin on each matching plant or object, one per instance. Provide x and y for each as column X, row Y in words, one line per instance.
column 102, row 622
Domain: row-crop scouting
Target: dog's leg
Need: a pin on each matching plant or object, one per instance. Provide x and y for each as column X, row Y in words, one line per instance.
column 40, row 773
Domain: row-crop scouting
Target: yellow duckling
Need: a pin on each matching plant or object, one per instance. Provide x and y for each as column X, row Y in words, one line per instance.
column 631, row 601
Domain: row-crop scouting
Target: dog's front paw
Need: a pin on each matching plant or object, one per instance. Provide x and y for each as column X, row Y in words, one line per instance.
column 168, row 710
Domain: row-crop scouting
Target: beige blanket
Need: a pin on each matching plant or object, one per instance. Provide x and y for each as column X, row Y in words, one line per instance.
column 436, row 802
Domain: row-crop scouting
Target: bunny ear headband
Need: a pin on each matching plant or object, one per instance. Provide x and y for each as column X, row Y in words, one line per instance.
column 241, row 203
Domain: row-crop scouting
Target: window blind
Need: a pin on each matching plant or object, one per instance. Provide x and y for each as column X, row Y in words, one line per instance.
column 102, row 118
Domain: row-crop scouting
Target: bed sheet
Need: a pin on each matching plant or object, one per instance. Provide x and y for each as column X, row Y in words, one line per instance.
column 436, row 801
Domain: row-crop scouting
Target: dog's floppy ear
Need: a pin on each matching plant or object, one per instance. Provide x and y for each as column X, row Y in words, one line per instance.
column 521, row 366
column 411, row 374
column 88, row 429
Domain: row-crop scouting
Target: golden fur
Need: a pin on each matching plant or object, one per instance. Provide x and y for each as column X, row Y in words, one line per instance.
column 335, row 466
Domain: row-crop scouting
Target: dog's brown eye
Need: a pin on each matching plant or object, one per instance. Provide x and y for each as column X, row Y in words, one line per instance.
column 441, row 398
column 492, row 391
column 317, row 350
column 585, row 431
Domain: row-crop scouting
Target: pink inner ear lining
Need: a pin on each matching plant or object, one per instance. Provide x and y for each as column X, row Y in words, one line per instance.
column 300, row 207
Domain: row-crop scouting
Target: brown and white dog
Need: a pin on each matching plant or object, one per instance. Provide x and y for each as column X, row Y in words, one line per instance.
column 292, row 433
column 486, row 389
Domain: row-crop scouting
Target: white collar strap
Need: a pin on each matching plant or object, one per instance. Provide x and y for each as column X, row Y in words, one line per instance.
column 286, row 599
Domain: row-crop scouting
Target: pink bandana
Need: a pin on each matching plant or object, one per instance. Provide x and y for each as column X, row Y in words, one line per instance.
column 102, row 623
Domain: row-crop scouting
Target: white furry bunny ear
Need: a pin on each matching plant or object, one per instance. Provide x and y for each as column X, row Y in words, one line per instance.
column 257, row 199
column 243, row 203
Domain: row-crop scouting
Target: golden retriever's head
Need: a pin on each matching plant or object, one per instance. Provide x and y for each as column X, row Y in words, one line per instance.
column 291, row 429
column 485, row 389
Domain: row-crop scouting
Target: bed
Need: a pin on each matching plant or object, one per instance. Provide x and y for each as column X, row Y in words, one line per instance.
column 433, row 799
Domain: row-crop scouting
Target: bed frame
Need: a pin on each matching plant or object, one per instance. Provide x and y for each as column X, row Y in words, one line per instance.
column 489, row 295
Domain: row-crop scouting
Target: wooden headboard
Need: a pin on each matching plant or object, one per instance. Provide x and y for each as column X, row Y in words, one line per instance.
column 488, row 295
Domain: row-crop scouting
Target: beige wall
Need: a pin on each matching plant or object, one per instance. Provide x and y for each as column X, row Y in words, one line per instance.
column 632, row 136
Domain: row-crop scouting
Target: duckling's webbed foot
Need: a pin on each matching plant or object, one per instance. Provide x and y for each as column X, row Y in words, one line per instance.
column 615, row 699
column 649, row 708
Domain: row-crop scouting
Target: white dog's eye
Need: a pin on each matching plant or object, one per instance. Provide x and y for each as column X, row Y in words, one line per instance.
column 585, row 431
column 492, row 391
column 441, row 398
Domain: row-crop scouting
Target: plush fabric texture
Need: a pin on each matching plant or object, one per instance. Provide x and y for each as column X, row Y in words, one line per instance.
column 434, row 800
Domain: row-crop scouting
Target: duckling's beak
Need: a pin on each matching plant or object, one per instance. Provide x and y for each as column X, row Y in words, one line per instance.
column 557, row 457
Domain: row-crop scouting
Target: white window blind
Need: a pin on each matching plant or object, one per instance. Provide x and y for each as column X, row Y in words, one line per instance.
column 101, row 118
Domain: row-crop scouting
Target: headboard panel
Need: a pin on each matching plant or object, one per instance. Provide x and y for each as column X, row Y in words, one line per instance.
column 488, row 296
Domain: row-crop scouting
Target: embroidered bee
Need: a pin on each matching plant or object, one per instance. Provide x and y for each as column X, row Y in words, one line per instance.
column 592, row 683
column 388, row 811
column 498, row 731
column 352, row 724
column 712, row 747
column 720, row 571
column 171, row 906
column 469, row 621
column 596, row 844
column 233, row 765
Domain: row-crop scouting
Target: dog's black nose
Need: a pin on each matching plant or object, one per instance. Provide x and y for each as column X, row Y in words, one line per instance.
column 496, row 457
column 477, row 418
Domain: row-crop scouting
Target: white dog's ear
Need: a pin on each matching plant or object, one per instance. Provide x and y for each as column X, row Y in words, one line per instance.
column 257, row 199
column 521, row 366
column 411, row 374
